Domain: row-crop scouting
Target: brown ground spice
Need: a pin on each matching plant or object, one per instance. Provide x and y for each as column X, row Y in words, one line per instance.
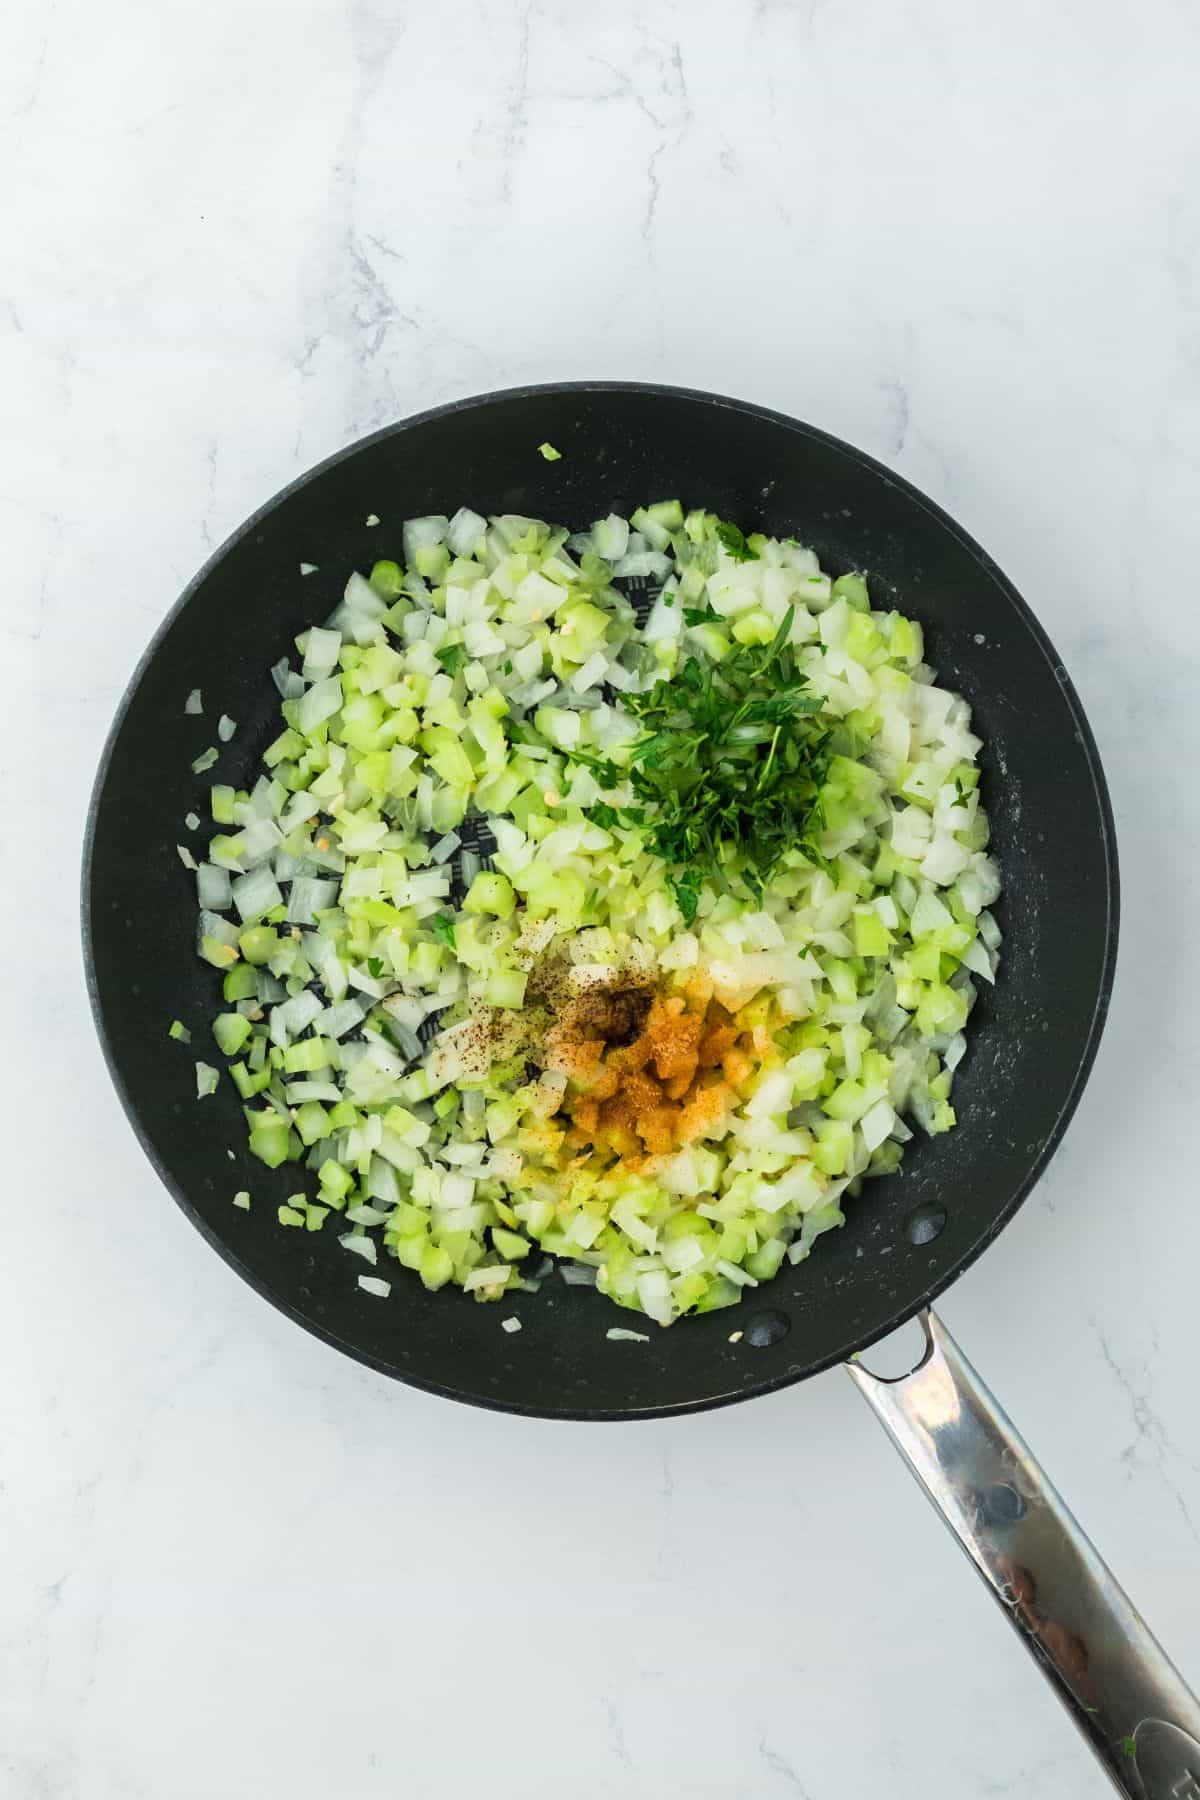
column 649, row 1070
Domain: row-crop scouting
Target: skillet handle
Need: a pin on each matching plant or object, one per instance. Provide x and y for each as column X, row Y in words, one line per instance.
column 1118, row 1684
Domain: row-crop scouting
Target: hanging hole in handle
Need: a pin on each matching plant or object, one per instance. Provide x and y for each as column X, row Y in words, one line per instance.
column 925, row 1223
column 900, row 1354
column 1166, row 1758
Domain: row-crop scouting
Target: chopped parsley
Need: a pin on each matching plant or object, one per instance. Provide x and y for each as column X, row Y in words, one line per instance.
column 452, row 658
column 374, row 967
column 607, row 816
column 687, row 894
column 733, row 539
column 732, row 761
column 701, row 615
column 442, row 926
column 603, row 767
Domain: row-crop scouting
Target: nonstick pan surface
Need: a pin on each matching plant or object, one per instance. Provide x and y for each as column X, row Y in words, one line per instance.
column 1032, row 1038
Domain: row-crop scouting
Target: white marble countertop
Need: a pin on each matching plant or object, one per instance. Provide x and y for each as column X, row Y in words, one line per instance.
column 964, row 237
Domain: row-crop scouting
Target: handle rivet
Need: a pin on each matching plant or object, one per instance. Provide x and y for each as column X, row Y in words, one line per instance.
column 925, row 1222
column 766, row 1328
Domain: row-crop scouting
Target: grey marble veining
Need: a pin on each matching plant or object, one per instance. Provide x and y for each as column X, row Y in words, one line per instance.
column 965, row 237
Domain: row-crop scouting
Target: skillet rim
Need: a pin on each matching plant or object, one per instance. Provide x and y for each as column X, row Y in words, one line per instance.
column 768, row 1383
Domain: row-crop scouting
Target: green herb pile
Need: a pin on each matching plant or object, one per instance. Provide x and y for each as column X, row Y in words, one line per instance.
column 732, row 761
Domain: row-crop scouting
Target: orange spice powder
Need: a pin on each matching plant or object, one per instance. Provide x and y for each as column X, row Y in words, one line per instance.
column 649, row 1070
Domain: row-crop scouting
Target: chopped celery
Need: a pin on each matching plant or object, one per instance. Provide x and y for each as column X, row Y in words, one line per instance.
column 506, row 987
column 240, row 983
column 269, row 1138
column 387, row 578
column 231, row 1031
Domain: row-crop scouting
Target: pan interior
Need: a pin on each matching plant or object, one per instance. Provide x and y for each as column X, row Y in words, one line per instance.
column 1031, row 1038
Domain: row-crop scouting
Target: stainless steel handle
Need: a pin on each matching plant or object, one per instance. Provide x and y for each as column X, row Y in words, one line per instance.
column 1110, row 1672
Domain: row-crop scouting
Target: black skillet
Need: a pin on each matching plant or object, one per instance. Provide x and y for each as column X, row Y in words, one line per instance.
column 1033, row 1036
